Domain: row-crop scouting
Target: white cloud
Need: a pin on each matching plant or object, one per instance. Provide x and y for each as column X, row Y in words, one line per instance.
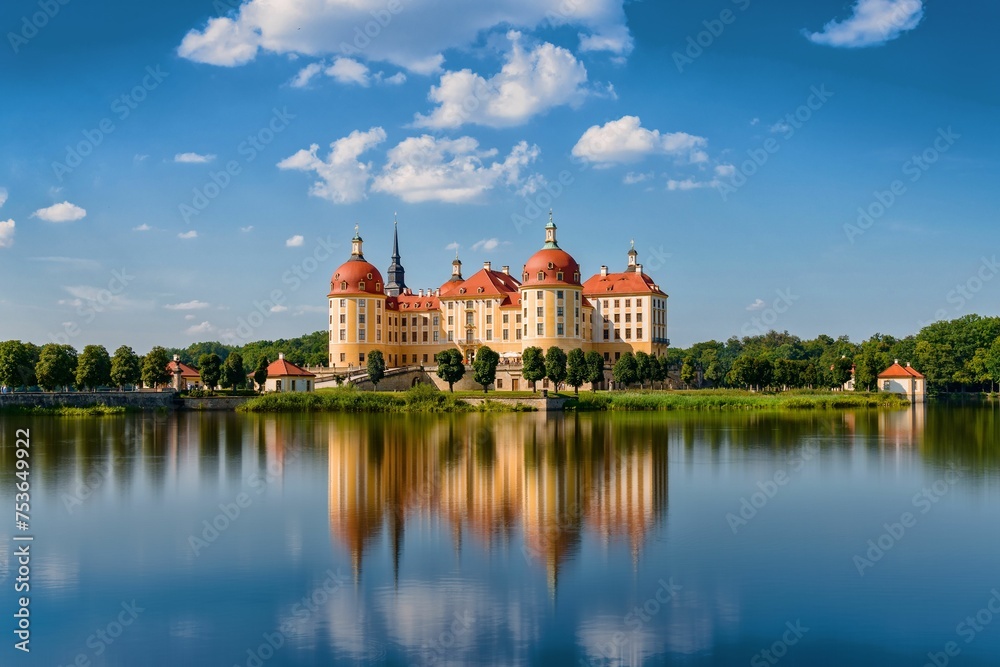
column 413, row 39
column 193, row 158
column 756, row 305
column 754, row 121
column 64, row 212
column 689, row 184
column 781, row 127
column 625, row 140
column 452, row 246
column 100, row 297
column 488, row 245
column 188, row 305
column 188, row 235
column 530, row 83
column 7, row 233
column 396, row 79
column 725, row 170
column 188, row 318
column 203, row 328
column 3, row 196
column 139, row 158
column 142, row 228
column 295, row 241
column 874, row 22
column 248, row 228
column 425, row 168
column 278, row 309
column 348, row 70
column 343, row 178
column 306, row 74
column 632, row 177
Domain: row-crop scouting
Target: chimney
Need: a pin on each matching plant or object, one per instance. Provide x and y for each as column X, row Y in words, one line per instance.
column 604, row 271
column 896, row 361
column 505, row 269
column 177, row 357
column 638, row 269
column 437, row 292
column 486, row 265
column 420, row 292
column 908, row 365
column 281, row 356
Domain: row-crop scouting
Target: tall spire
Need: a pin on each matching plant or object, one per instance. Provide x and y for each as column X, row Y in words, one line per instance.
column 396, row 278
column 550, row 233
column 356, row 253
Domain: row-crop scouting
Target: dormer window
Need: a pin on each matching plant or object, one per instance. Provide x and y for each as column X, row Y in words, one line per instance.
column 525, row 277
column 480, row 290
column 461, row 291
column 551, row 266
column 343, row 285
column 378, row 286
column 369, row 276
column 361, row 285
column 559, row 276
column 541, row 275
column 576, row 277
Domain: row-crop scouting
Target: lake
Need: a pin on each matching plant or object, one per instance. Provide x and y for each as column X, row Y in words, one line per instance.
column 809, row 538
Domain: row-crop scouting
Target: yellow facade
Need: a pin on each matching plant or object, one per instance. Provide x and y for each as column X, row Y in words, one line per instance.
column 611, row 313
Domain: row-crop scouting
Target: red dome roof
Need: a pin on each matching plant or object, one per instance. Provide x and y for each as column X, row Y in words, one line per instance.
column 352, row 274
column 551, row 262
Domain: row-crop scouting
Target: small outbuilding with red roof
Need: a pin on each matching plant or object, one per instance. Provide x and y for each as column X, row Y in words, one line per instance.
column 283, row 375
column 905, row 380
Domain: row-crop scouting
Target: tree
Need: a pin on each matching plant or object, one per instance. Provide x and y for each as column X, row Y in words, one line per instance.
column 644, row 367
column 689, row 374
column 595, row 369
column 484, row 367
column 260, row 374
column 126, row 368
column 17, row 368
column 533, row 365
column 376, row 367
column 576, row 369
column 657, row 371
column 841, row 371
column 993, row 361
column 233, row 373
column 626, row 370
column 555, row 366
column 451, row 366
column 210, row 369
column 154, row 367
column 666, row 364
column 56, row 366
column 93, row 368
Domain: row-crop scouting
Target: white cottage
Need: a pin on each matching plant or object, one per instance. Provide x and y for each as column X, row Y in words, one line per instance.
column 903, row 380
column 283, row 375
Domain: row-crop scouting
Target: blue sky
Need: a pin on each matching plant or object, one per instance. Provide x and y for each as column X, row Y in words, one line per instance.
column 167, row 171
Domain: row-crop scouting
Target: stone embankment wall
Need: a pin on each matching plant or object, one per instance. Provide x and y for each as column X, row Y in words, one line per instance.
column 146, row 400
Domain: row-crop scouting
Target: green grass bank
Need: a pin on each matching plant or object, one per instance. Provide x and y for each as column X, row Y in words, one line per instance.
column 421, row 398
column 730, row 400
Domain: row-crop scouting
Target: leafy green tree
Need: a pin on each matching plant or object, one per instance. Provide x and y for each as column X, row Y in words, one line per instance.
column 841, row 371
column 689, row 374
column 375, row 364
column 93, row 367
column 484, row 367
column 260, row 373
column 626, row 370
column 233, row 373
column 555, row 366
column 126, row 367
column 595, row 369
column 210, row 369
column 993, row 362
column 533, row 365
column 154, row 367
column 644, row 367
column 17, row 368
column 657, row 372
column 450, row 366
column 576, row 369
column 56, row 366
column 666, row 364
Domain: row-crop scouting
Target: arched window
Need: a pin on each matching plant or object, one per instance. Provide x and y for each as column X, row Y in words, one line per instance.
column 378, row 287
column 559, row 276
column 343, row 284
column 480, row 290
column 369, row 276
column 551, row 266
column 361, row 285
column 541, row 275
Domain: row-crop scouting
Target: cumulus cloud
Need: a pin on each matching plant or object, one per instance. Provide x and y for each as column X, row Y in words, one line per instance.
column 632, row 177
column 142, row 228
column 348, row 70
column 188, row 305
column 396, row 79
column 452, row 246
column 3, row 196
column 369, row 27
column 7, row 233
column 64, row 212
column 343, row 179
column 248, row 228
column 529, row 83
column 455, row 171
column 203, row 328
column 756, row 305
column 193, row 158
column 278, row 309
column 306, row 74
column 872, row 23
column 188, row 235
column 488, row 245
column 295, row 241
column 625, row 141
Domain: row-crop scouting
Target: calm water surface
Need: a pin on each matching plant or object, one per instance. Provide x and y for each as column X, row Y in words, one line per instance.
column 859, row 538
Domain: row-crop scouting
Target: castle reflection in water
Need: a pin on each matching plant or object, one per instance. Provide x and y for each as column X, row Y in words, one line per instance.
column 496, row 481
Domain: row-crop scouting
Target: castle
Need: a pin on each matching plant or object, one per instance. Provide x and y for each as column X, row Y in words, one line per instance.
column 550, row 305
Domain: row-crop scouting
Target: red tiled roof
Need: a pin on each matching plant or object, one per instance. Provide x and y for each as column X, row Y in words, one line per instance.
column 897, row 371
column 484, row 281
column 347, row 278
column 284, row 368
column 186, row 371
column 627, row 282
column 550, row 262
column 413, row 303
